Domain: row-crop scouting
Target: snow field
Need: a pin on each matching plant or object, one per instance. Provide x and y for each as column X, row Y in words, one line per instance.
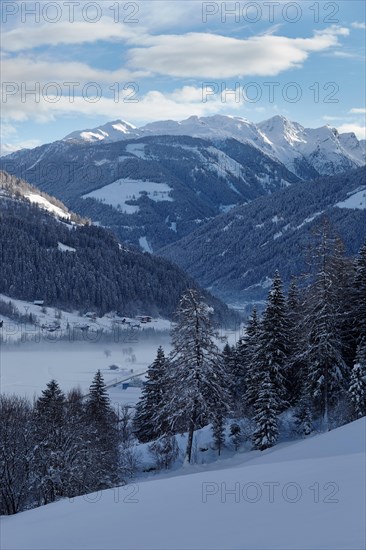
column 300, row 496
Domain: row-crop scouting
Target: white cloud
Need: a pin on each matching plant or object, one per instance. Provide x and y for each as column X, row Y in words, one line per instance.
column 346, row 55
column 334, row 118
column 206, row 55
column 152, row 106
column 357, row 25
column 64, row 32
column 358, row 129
column 31, row 70
column 356, row 111
column 7, row 148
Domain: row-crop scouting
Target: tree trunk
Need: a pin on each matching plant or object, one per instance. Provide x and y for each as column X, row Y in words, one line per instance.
column 190, row 442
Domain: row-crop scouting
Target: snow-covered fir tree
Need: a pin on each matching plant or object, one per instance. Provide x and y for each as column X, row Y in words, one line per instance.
column 149, row 422
column 266, row 409
column 49, row 433
column 233, row 368
column 273, row 348
column 296, row 369
column 247, row 352
column 322, row 344
column 303, row 414
column 198, row 383
column 357, row 386
column 103, row 457
column 360, row 294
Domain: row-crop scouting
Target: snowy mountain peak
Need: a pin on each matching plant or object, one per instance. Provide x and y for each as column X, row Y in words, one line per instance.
column 307, row 152
column 112, row 131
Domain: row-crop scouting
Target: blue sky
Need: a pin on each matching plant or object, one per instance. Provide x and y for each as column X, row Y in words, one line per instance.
column 91, row 62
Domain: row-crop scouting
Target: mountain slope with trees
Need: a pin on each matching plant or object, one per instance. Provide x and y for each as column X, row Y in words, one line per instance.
column 81, row 266
column 237, row 253
column 201, row 179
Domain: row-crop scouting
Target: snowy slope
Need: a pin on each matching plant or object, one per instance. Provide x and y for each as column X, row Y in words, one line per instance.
column 11, row 187
column 303, row 495
column 46, row 205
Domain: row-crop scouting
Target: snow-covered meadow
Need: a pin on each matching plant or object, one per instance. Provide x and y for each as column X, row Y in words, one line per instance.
column 301, row 495
column 118, row 193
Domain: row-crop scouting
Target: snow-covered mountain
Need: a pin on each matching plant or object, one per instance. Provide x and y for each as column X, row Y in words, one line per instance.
column 305, row 151
column 154, row 190
column 112, row 131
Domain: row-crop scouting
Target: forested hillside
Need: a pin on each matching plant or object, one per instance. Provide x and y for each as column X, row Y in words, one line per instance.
column 236, row 254
column 81, row 266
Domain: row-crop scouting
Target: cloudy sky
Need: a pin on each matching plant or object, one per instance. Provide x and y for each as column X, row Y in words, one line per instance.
column 70, row 65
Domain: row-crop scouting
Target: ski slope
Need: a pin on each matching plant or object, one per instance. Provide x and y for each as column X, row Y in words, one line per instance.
column 301, row 495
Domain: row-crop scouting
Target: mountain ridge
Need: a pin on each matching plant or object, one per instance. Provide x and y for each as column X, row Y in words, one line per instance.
column 324, row 148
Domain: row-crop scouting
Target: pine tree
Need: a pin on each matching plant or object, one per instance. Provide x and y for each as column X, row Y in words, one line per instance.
column 303, row 414
column 198, row 382
column 296, row 369
column 103, row 456
column 49, row 423
column 149, row 422
column 322, row 345
column 247, row 353
column 357, row 386
column 51, row 403
column 76, row 444
column 360, row 294
column 233, row 369
column 266, row 408
column 273, row 349
column 98, row 403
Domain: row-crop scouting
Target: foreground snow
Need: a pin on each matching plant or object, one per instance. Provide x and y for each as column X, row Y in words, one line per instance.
column 303, row 495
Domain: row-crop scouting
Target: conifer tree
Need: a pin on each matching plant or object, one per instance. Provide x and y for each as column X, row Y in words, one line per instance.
column 360, row 294
column 247, row 355
column 149, row 422
column 357, row 386
column 274, row 343
column 322, row 345
column 49, row 423
column 103, row 456
column 233, row 369
column 198, row 383
column 266, row 409
column 303, row 413
column 98, row 404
